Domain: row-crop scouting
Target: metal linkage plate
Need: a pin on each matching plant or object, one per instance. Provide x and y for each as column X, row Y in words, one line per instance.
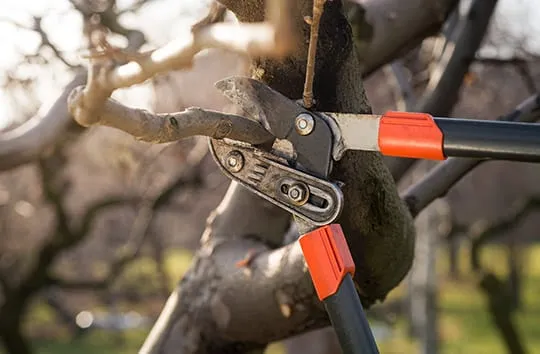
column 315, row 200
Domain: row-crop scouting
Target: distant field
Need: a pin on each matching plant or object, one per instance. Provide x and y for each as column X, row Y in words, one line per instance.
column 465, row 325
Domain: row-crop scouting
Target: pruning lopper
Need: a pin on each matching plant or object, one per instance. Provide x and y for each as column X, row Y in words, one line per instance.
column 294, row 173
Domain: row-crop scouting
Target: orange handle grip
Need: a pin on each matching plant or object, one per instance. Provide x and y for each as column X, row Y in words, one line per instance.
column 413, row 135
column 328, row 258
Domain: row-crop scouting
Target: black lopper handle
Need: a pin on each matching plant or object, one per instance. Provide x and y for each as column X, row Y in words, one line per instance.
column 420, row 136
column 331, row 268
column 349, row 321
column 490, row 139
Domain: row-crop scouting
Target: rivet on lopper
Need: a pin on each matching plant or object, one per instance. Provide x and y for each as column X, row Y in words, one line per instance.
column 304, row 124
column 235, row 161
column 298, row 193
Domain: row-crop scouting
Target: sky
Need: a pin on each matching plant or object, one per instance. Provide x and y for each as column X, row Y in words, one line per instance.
column 161, row 21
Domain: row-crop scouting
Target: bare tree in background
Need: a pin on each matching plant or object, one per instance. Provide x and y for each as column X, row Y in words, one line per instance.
column 30, row 268
column 216, row 308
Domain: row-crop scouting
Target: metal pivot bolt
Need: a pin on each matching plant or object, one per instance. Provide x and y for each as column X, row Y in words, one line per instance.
column 298, row 193
column 235, row 161
column 304, row 124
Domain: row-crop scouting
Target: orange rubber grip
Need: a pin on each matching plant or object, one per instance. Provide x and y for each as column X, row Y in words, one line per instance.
column 413, row 135
column 328, row 258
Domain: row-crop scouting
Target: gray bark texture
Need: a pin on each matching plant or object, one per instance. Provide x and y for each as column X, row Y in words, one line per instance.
column 221, row 307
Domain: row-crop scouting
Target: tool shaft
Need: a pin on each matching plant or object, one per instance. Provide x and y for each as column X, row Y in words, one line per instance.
column 490, row 139
column 349, row 321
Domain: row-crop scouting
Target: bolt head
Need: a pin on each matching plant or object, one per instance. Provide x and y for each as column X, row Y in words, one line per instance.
column 234, row 161
column 304, row 124
column 298, row 193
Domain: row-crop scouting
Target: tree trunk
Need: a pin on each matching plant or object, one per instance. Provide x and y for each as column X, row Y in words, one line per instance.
column 514, row 274
column 453, row 257
column 422, row 284
column 220, row 307
column 11, row 334
column 501, row 312
column 14, row 342
column 321, row 341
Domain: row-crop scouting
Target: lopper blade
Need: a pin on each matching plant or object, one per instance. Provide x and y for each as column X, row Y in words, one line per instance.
column 262, row 103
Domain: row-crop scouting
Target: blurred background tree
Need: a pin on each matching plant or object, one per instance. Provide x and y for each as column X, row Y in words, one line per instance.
column 97, row 231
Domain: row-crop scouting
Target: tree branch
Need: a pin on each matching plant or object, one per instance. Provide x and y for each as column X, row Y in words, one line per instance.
column 25, row 143
column 163, row 128
column 443, row 88
column 139, row 232
column 442, row 177
column 54, row 191
column 99, row 207
column 499, row 306
column 520, row 65
column 446, row 79
column 257, row 39
column 28, row 141
column 483, row 231
column 403, row 90
column 216, row 13
column 45, row 42
column 240, row 293
column 4, row 284
column 386, row 29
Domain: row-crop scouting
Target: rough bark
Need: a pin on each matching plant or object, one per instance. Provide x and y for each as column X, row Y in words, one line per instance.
column 381, row 26
column 220, row 307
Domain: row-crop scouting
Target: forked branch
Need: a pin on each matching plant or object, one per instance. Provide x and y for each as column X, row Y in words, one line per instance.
column 270, row 38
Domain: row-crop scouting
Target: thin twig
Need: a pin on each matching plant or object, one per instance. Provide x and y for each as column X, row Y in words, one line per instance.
column 27, row 142
column 45, row 41
column 318, row 8
column 404, row 93
column 263, row 38
column 216, row 14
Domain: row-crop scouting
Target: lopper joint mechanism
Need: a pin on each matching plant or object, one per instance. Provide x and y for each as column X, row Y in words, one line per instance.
column 293, row 173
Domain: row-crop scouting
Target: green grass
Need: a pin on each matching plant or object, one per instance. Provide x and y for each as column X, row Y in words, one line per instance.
column 464, row 324
column 96, row 342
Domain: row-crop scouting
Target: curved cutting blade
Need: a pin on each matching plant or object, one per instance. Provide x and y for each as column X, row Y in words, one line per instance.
column 275, row 111
column 278, row 113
